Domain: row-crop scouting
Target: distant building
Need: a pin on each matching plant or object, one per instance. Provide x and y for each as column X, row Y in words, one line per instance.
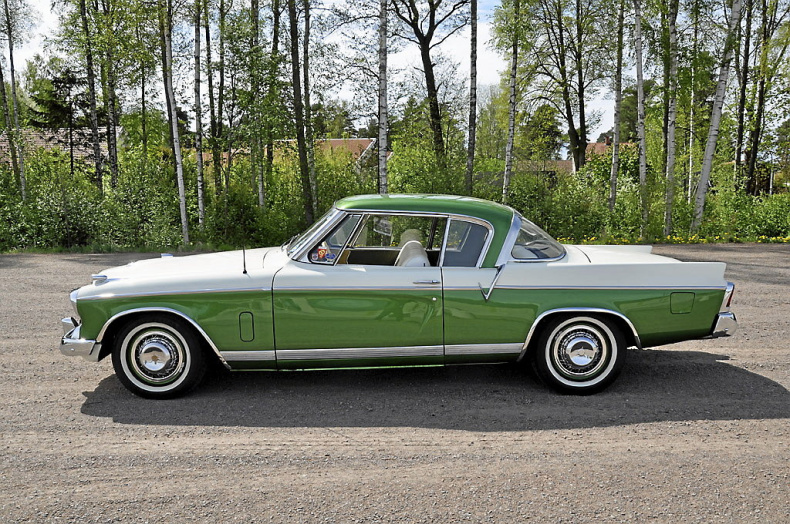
column 77, row 142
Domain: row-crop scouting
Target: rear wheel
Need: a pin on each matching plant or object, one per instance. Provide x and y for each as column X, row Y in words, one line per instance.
column 158, row 357
column 580, row 355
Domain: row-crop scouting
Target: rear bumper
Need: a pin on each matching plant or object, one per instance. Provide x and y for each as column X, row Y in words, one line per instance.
column 73, row 345
column 726, row 324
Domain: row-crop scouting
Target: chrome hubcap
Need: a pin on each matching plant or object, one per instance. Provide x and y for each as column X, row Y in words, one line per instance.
column 157, row 356
column 579, row 352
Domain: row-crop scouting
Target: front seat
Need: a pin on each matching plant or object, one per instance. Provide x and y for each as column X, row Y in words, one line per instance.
column 412, row 254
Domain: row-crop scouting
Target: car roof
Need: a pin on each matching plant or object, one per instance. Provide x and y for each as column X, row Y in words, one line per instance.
column 498, row 215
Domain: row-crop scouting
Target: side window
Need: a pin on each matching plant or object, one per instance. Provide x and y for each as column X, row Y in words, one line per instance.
column 465, row 242
column 380, row 239
column 330, row 247
column 532, row 243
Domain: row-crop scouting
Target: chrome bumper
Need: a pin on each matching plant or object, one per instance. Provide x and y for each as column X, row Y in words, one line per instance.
column 726, row 324
column 71, row 344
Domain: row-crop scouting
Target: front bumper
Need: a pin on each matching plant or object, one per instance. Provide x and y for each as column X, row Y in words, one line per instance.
column 726, row 324
column 71, row 344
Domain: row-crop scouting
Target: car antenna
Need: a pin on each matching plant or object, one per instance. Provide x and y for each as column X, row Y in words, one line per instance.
column 244, row 260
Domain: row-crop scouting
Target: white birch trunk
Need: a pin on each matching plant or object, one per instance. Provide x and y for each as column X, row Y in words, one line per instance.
column 18, row 138
column 167, row 26
column 511, row 119
column 672, row 115
column 383, row 116
column 198, row 117
column 470, row 150
column 715, row 117
column 618, row 101
column 640, row 109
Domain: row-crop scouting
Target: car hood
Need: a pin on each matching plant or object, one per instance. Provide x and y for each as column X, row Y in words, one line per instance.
column 192, row 273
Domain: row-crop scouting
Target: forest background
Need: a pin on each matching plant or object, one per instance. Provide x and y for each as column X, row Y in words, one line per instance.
column 202, row 120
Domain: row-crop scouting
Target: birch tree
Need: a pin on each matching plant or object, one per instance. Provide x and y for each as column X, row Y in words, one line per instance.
column 383, row 117
column 618, row 100
column 304, row 170
column 198, row 114
column 12, row 20
column 165, row 13
column 511, row 119
column 640, row 126
column 671, row 114
column 715, row 115
column 470, row 149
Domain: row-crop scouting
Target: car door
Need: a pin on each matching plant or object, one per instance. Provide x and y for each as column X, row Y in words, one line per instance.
column 345, row 303
column 480, row 324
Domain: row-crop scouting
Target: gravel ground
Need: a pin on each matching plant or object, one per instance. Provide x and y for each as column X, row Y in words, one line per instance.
column 696, row 431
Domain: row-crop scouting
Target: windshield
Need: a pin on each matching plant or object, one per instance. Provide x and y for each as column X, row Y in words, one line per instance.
column 532, row 243
column 296, row 244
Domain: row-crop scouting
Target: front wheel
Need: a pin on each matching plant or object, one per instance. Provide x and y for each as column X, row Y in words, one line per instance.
column 158, row 357
column 580, row 355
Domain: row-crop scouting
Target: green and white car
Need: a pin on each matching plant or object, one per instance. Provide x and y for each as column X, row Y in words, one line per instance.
column 397, row 280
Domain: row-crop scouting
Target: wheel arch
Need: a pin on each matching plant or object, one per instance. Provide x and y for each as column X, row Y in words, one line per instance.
column 622, row 321
column 108, row 331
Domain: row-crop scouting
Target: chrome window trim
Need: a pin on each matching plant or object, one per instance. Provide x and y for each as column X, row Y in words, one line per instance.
column 427, row 214
column 194, row 324
column 319, row 233
column 471, row 220
column 353, row 234
column 543, row 315
column 506, row 255
column 359, row 353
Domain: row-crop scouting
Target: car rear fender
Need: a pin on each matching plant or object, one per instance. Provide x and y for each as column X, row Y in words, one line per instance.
column 627, row 327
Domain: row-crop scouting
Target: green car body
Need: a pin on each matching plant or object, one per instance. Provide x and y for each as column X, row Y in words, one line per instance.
column 397, row 280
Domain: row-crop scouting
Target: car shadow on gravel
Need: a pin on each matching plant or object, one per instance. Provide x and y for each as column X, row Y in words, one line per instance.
column 655, row 386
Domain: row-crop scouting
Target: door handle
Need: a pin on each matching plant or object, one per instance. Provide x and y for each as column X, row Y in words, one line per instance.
column 427, row 282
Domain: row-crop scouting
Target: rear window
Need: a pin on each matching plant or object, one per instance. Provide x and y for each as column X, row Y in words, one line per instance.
column 532, row 243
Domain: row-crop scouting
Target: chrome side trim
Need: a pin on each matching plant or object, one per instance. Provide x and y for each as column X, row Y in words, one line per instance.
column 360, row 353
column 175, row 293
column 660, row 288
column 482, row 349
column 726, row 325
column 194, row 324
column 533, row 328
column 249, row 356
column 355, row 288
column 487, row 294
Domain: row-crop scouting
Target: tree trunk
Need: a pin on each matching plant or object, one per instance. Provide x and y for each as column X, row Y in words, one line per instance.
column 511, row 119
column 198, row 118
column 166, row 27
column 470, row 148
column 91, row 95
column 672, row 106
column 216, row 155
column 18, row 138
column 257, row 166
column 742, row 73
column 272, row 87
column 299, row 115
column 580, row 88
column 715, row 117
column 640, row 126
column 618, row 100
column 9, row 131
column 383, row 116
column 308, row 111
